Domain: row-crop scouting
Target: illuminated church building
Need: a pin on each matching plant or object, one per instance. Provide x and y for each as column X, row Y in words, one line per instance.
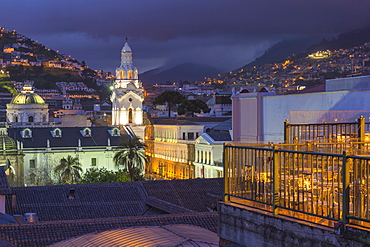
column 127, row 95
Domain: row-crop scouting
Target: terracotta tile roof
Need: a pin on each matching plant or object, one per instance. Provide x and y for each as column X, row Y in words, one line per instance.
column 4, row 243
column 91, row 201
column 50, row 203
column 191, row 194
column 46, row 233
column 4, row 185
column 166, row 206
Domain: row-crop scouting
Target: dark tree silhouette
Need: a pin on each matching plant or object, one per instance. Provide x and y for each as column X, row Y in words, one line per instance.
column 169, row 97
column 193, row 106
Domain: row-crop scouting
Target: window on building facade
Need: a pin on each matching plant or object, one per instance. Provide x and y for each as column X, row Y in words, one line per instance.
column 130, row 115
column 33, row 163
column 93, row 161
column 26, row 133
column 30, row 119
column 219, row 174
column 190, row 135
column 183, row 135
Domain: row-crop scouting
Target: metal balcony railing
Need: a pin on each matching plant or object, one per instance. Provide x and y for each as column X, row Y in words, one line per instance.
column 325, row 132
column 300, row 181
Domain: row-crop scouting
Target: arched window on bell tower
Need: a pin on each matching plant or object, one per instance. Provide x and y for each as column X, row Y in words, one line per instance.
column 30, row 119
column 130, row 115
column 129, row 74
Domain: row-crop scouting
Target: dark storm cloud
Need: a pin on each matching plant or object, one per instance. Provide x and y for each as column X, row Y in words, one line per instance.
column 226, row 34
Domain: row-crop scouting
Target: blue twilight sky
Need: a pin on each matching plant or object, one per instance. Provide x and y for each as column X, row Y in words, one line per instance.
column 225, row 34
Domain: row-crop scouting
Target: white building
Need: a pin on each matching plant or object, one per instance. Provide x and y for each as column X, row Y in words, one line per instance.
column 170, row 148
column 43, row 148
column 127, row 96
column 209, row 154
column 37, row 146
column 260, row 116
column 27, row 108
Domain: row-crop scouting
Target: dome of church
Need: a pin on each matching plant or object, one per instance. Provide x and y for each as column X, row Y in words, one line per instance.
column 27, row 96
column 4, row 138
column 9, row 143
column 126, row 48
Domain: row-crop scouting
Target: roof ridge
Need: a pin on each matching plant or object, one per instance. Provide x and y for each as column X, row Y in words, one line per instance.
column 167, row 206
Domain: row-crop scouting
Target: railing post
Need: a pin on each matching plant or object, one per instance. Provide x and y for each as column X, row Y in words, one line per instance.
column 226, row 174
column 275, row 184
column 345, row 199
column 286, row 131
column 361, row 135
column 361, row 129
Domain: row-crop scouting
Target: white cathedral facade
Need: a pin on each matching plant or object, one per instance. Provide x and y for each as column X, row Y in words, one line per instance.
column 127, row 96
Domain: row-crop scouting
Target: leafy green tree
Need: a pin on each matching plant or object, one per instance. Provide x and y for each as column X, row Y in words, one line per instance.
column 169, row 97
column 131, row 156
column 102, row 175
column 193, row 106
column 69, row 170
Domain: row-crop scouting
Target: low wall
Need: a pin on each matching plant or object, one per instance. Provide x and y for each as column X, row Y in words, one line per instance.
column 253, row 227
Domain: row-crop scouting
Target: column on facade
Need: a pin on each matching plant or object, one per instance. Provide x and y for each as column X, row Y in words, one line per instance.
column 122, row 116
column 114, row 115
column 138, row 116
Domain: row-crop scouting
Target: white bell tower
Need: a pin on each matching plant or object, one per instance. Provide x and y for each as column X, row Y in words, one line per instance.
column 127, row 97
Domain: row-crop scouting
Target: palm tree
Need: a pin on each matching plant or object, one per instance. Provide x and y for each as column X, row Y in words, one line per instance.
column 69, row 170
column 131, row 156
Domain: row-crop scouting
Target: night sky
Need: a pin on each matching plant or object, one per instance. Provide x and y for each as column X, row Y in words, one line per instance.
column 225, row 34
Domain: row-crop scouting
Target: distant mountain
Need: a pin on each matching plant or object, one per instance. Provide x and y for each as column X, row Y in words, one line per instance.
column 183, row 72
column 282, row 50
column 303, row 46
column 344, row 40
